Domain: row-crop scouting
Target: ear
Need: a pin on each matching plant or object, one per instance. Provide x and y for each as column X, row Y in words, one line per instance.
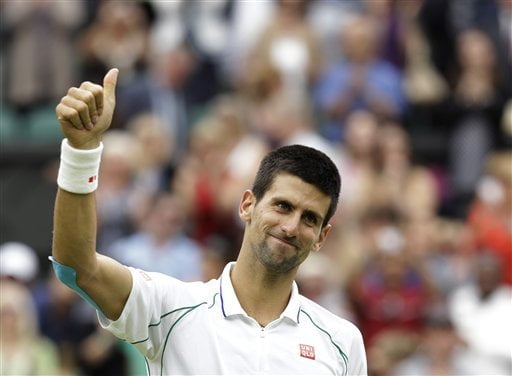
column 321, row 238
column 246, row 205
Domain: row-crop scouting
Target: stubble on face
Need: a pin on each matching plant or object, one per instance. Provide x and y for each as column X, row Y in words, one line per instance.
column 276, row 259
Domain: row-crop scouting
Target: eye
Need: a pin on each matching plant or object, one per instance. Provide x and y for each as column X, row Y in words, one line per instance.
column 283, row 206
column 310, row 219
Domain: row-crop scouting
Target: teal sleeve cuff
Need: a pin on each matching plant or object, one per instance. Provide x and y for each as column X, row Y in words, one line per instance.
column 67, row 275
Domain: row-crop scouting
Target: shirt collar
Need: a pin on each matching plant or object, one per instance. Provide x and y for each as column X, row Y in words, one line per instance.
column 231, row 306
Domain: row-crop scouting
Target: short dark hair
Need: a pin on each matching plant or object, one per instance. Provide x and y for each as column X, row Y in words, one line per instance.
column 308, row 164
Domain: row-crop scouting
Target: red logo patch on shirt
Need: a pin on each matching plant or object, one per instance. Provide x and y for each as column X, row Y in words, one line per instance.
column 307, row 351
column 92, row 179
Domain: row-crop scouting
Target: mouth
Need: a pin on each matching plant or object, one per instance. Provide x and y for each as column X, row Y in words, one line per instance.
column 284, row 241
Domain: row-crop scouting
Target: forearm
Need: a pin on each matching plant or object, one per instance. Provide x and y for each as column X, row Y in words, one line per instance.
column 74, row 238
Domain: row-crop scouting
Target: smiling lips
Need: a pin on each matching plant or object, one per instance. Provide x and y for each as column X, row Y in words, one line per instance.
column 287, row 242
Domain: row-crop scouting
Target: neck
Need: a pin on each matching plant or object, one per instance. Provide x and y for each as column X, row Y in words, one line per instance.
column 262, row 295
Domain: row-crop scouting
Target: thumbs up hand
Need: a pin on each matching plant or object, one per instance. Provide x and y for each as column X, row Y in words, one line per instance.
column 85, row 113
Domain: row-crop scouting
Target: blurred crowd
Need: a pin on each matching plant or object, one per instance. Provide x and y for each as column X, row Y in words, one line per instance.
column 410, row 98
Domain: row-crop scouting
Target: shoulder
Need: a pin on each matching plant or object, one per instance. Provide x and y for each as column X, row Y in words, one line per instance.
column 166, row 286
column 327, row 321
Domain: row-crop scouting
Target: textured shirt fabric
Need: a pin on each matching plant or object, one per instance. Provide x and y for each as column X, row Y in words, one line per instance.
column 200, row 328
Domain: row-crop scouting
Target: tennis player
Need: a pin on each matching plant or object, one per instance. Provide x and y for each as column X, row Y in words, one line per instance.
column 252, row 319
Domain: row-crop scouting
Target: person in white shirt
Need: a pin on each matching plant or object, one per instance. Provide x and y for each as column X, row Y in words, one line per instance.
column 252, row 319
column 481, row 311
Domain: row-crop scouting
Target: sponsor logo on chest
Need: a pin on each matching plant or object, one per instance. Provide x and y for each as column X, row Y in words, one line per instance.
column 307, row 351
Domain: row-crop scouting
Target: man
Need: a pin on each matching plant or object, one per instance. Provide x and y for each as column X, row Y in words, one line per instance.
column 252, row 319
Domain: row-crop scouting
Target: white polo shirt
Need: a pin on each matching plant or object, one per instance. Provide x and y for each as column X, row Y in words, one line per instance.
column 198, row 328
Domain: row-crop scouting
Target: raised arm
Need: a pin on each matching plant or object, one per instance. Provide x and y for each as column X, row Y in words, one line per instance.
column 84, row 115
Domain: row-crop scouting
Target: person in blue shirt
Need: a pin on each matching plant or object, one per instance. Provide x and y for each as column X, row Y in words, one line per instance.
column 360, row 81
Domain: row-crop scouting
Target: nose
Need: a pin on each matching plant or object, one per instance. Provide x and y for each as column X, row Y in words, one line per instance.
column 290, row 225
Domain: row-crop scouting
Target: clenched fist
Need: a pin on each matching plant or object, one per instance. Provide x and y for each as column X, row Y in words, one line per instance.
column 85, row 113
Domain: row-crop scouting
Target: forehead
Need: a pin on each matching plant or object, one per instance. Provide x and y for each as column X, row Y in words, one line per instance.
column 298, row 192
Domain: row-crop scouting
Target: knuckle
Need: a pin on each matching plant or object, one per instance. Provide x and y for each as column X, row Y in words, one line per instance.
column 81, row 107
column 72, row 90
column 85, row 84
column 97, row 90
column 89, row 97
column 73, row 113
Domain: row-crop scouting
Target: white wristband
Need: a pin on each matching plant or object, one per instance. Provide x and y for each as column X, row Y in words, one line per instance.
column 78, row 171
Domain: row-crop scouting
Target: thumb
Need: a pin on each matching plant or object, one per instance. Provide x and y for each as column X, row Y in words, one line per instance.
column 109, row 85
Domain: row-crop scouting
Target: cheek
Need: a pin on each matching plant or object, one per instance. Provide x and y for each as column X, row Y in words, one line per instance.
column 309, row 237
column 267, row 219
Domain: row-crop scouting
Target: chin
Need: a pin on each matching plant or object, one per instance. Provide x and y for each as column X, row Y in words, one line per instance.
column 277, row 259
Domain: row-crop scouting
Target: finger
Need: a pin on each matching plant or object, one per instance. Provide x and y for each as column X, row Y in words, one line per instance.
column 88, row 109
column 68, row 116
column 109, row 86
column 81, row 108
column 59, row 110
column 97, row 92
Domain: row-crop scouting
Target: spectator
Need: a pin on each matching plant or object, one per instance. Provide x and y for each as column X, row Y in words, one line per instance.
column 389, row 292
column 474, row 114
column 439, row 248
column 409, row 188
column 117, row 37
column 40, row 52
column 117, row 201
column 326, row 17
column 19, row 262
column 70, row 324
column 160, row 90
column 199, row 177
column 358, row 165
column 160, row 244
column 287, row 47
column 481, row 312
column 24, row 350
column 287, row 119
column 489, row 213
column 440, row 352
column 504, row 24
column 155, row 165
column 248, row 148
column 423, row 84
column 248, row 19
column 360, row 81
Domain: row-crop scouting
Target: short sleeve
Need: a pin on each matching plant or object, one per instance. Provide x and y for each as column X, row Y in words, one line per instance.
column 152, row 296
